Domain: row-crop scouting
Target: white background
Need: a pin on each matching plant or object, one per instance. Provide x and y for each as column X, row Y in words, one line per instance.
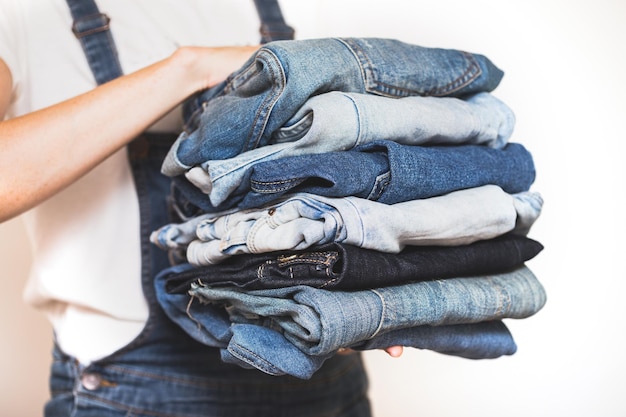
column 564, row 63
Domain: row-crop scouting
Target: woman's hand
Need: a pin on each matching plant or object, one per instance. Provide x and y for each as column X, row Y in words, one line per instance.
column 210, row 66
column 394, row 351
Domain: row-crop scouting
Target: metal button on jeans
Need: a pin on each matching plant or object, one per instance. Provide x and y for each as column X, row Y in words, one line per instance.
column 90, row 381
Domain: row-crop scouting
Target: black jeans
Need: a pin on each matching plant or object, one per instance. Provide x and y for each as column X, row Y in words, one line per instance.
column 346, row 267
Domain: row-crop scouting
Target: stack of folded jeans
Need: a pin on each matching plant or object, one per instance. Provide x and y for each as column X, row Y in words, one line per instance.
column 355, row 193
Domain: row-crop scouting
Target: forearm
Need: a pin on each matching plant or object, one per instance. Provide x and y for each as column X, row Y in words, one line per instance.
column 45, row 151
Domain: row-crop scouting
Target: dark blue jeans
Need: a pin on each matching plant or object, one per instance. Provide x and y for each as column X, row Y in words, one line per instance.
column 383, row 171
column 347, row 267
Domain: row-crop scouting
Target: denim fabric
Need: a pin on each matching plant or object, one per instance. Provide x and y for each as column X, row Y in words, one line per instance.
column 273, row 25
column 262, row 346
column 266, row 349
column 345, row 267
column 383, row 171
column 303, row 220
column 338, row 121
column 91, row 27
column 281, row 76
column 165, row 372
column 483, row 340
column 164, row 363
column 319, row 321
column 223, row 389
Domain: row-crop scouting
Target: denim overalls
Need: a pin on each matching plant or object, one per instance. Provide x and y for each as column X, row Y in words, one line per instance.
column 163, row 372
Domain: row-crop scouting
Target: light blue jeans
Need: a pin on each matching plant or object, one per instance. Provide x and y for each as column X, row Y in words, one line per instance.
column 280, row 77
column 338, row 121
column 302, row 220
column 319, row 322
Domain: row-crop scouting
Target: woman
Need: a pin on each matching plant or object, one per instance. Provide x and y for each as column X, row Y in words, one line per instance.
column 82, row 162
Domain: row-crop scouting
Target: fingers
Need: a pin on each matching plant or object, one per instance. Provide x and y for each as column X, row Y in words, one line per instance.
column 394, row 351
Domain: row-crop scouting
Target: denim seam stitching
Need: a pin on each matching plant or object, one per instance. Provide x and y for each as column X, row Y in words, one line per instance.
column 504, row 301
column 317, row 258
column 359, row 118
column 382, row 314
column 122, row 407
column 264, row 365
column 250, row 239
column 241, row 77
column 380, row 184
column 328, row 255
column 357, row 59
column 287, row 185
column 260, row 272
column 261, row 276
column 265, row 108
column 329, row 282
column 472, row 72
column 374, row 85
column 357, row 217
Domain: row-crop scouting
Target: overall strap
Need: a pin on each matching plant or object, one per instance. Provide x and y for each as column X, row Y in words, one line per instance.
column 273, row 26
column 92, row 29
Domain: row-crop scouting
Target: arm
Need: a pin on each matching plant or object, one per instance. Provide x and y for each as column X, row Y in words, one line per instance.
column 45, row 151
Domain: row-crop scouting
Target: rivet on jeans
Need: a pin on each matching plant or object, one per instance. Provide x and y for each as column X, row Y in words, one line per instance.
column 90, row 382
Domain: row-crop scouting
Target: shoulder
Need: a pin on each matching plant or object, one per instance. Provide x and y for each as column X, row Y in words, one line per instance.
column 11, row 30
column 12, row 45
column 6, row 87
column 42, row 55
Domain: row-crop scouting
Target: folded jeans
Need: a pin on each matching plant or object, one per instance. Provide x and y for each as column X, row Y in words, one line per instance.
column 319, row 321
column 337, row 266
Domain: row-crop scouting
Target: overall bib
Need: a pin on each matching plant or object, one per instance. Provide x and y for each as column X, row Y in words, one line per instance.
column 163, row 372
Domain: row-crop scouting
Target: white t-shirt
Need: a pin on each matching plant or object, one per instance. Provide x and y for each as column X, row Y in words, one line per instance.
column 86, row 272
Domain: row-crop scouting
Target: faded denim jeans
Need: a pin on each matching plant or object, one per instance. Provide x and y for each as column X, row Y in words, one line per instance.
column 338, row 121
column 383, row 171
column 303, row 220
column 281, row 76
column 319, row 321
